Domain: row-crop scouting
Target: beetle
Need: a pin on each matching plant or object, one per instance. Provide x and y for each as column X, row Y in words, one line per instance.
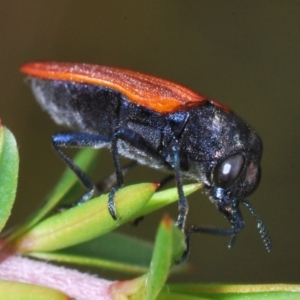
column 157, row 123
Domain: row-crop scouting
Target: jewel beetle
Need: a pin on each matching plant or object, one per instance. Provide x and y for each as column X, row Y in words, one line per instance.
column 157, row 123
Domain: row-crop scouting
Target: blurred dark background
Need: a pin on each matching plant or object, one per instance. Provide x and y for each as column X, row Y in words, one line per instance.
column 242, row 53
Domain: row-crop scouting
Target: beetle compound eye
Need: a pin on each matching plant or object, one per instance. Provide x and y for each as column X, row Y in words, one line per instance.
column 228, row 170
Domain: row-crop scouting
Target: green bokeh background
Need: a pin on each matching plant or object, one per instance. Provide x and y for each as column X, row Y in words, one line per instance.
column 242, row 53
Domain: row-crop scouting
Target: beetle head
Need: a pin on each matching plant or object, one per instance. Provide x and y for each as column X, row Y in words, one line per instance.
column 225, row 153
column 231, row 180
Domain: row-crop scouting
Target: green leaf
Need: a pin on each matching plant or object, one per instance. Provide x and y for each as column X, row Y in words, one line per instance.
column 9, row 167
column 162, row 259
column 84, row 222
column 167, row 197
column 113, row 251
column 67, row 186
column 148, row 286
column 120, row 267
column 130, row 249
column 22, row 291
column 166, row 295
column 232, row 291
column 102, row 251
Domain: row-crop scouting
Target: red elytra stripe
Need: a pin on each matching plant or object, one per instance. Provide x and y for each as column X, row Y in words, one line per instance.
column 154, row 93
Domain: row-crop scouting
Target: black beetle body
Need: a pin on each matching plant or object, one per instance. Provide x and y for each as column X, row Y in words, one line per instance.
column 187, row 134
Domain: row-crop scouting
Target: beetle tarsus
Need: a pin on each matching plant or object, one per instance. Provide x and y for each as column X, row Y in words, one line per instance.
column 112, row 205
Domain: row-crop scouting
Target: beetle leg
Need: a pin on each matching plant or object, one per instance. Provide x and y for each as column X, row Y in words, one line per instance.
column 131, row 137
column 119, row 175
column 237, row 226
column 183, row 205
column 106, row 184
column 207, row 230
column 78, row 140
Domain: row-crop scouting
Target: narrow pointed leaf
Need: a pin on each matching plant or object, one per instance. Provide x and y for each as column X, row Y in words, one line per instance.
column 162, row 260
column 148, row 286
column 85, row 222
column 9, row 167
column 168, row 242
column 90, row 262
column 113, row 251
column 166, row 197
column 109, row 251
column 235, row 291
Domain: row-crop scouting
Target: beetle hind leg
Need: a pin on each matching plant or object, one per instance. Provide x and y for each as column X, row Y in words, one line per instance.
column 78, row 140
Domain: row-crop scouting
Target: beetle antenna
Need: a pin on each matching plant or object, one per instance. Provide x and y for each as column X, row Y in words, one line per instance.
column 261, row 227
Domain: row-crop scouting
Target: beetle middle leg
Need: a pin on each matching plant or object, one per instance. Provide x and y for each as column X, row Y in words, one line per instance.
column 183, row 204
column 136, row 140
